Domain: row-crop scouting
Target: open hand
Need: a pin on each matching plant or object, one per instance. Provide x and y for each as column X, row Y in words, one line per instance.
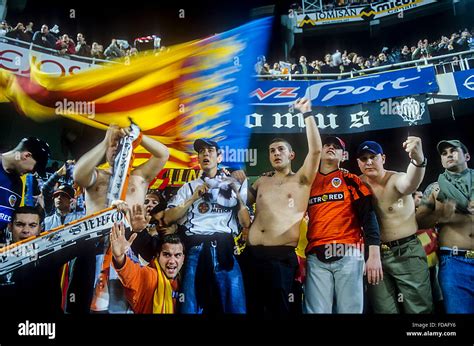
column 118, row 242
column 139, row 218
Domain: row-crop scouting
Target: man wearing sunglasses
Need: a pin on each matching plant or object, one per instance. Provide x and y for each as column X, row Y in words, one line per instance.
column 406, row 285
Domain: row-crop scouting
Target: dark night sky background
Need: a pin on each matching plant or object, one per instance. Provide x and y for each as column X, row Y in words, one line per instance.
column 103, row 20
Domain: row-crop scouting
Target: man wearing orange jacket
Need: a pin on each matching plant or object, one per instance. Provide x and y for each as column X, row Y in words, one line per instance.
column 151, row 289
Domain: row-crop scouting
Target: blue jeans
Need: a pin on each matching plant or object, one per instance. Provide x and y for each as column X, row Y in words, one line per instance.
column 456, row 278
column 229, row 284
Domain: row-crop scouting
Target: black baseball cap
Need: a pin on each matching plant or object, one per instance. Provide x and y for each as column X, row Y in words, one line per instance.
column 40, row 151
column 204, row 142
column 335, row 140
column 369, row 146
column 66, row 190
column 451, row 143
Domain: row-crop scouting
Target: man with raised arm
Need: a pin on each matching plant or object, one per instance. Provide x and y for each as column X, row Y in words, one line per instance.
column 406, row 276
column 153, row 288
column 449, row 203
column 341, row 215
column 95, row 181
column 281, row 203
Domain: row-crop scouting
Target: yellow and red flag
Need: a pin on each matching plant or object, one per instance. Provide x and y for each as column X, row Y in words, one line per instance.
column 192, row 90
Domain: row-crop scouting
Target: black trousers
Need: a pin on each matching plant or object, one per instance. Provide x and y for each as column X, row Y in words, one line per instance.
column 269, row 275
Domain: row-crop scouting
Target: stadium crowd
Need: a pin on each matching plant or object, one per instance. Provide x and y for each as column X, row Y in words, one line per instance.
column 343, row 61
column 318, row 239
column 357, row 243
column 64, row 44
column 338, row 62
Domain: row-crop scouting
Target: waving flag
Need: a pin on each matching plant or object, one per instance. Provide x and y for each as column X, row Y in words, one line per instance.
column 193, row 90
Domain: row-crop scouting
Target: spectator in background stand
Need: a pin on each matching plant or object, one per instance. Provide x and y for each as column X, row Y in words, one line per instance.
column 347, row 64
column 405, row 54
column 65, row 45
column 44, row 38
column 82, row 48
column 18, row 33
column 442, row 47
column 3, row 28
column 359, row 63
column 462, row 43
column 29, row 31
column 63, row 213
column 275, row 71
column 155, row 205
column 294, row 68
column 265, row 69
column 329, row 66
column 382, row 58
column 470, row 42
column 113, row 51
column 303, row 67
column 258, row 66
column 97, row 51
column 48, row 187
column 422, row 51
column 315, row 65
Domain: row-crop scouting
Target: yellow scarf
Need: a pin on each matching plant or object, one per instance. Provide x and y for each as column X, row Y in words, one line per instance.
column 163, row 298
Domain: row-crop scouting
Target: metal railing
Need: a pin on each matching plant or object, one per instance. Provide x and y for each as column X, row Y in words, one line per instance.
column 465, row 61
column 41, row 49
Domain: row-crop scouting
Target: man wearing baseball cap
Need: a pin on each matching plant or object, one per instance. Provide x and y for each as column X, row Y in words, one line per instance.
column 340, row 214
column 62, row 197
column 449, row 203
column 30, row 155
column 212, row 280
column 405, row 267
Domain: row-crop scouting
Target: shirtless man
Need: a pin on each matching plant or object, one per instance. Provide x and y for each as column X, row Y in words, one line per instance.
column 282, row 200
column 95, row 181
column 404, row 263
column 449, row 203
